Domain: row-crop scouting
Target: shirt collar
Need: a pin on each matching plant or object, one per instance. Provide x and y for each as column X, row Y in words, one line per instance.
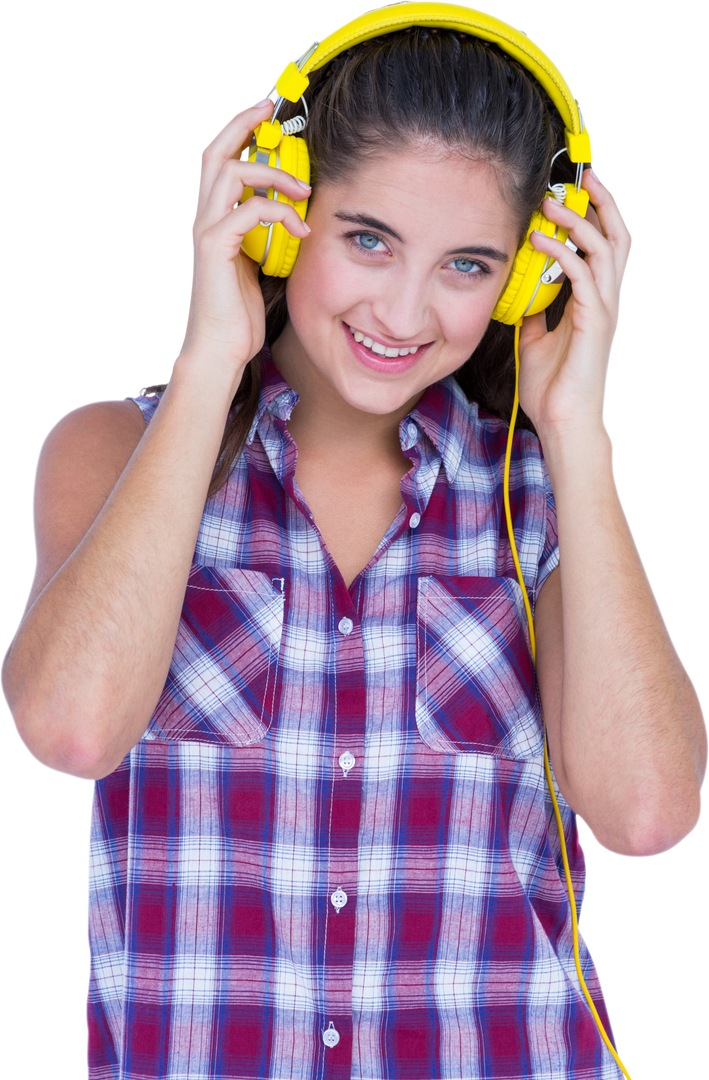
column 276, row 396
column 443, row 413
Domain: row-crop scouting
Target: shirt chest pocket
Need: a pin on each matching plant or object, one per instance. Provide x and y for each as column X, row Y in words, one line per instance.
column 475, row 684
column 223, row 678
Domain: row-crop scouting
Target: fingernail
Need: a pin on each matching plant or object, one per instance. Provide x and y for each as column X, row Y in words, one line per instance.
column 307, row 227
column 262, row 104
column 302, row 184
column 594, row 175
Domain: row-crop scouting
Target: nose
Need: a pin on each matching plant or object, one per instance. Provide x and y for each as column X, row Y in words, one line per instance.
column 401, row 307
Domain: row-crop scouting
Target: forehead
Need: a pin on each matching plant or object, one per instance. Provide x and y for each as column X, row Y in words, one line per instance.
column 419, row 192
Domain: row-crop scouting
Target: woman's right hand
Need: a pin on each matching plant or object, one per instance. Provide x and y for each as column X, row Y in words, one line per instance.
column 226, row 323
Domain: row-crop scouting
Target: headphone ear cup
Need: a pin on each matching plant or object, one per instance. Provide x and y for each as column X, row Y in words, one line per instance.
column 294, row 158
column 273, row 248
column 525, row 293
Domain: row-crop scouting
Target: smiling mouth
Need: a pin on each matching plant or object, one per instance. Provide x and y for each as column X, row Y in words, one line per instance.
column 377, row 347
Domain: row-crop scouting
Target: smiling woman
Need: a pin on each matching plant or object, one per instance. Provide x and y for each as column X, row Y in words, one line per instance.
column 277, row 614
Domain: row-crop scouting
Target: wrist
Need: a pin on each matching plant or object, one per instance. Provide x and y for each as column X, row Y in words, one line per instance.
column 207, row 375
column 579, row 449
column 564, row 437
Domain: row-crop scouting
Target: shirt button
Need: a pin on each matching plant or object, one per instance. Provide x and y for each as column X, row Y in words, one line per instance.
column 339, row 899
column 346, row 761
column 331, row 1035
column 415, row 520
column 345, row 626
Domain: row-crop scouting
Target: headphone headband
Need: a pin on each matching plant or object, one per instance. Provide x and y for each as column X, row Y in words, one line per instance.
column 533, row 283
column 451, row 17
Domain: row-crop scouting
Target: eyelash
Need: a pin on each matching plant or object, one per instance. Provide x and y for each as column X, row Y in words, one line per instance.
column 352, row 238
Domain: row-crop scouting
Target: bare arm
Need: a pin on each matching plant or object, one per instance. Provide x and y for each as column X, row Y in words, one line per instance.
column 626, row 734
column 625, row 729
column 117, row 518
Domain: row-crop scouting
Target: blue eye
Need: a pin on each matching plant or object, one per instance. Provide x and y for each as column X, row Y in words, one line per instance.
column 465, row 265
column 367, row 240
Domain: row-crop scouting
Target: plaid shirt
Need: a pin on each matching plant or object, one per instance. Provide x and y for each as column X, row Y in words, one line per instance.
column 332, row 854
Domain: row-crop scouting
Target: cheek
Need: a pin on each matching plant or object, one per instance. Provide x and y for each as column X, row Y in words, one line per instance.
column 316, row 289
column 465, row 323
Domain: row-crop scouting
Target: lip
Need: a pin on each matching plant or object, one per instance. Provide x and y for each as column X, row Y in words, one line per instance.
column 395, row 365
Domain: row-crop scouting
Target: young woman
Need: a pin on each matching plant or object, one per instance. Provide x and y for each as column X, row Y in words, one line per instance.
column 324, row 846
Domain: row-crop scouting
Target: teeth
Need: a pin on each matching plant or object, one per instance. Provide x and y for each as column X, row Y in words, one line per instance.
column 378, row 348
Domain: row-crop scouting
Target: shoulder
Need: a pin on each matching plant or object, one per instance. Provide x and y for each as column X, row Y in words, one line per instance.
column 81, row 461
column 106, row 414
column 95, row 436
column 91, row 445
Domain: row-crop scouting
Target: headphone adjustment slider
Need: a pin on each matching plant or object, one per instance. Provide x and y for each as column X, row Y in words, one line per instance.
column 550, row 276
column 292, row 85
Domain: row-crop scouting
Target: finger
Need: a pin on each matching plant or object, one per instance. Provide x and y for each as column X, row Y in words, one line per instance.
column 228, row 143
column 583, row 230
column 233, row 137
column 612, row 225
column 602, row 220
column 592, row 216
column 229, row 232
column 600, row 256
column 585, row 287
column 234, row 176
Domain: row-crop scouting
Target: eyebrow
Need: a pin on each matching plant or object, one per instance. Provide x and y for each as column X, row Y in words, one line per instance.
column 374, row 223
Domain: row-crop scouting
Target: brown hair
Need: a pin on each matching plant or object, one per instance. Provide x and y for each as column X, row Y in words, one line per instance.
column 454, row 92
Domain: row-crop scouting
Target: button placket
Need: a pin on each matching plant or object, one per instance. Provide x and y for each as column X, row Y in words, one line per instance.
column 347, row 714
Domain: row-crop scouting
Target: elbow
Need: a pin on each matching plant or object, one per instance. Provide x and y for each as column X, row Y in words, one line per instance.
column 67, row 744
column 66, row 761
column 666, row 808
column 653, row 826
column 662, row 832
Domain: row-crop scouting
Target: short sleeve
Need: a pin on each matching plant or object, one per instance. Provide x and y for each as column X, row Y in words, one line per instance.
column 147, row 403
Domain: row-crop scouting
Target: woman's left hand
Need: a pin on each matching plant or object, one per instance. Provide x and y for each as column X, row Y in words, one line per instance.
column 562, row 372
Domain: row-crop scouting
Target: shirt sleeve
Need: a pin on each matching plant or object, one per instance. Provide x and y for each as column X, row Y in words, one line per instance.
column 147, row 403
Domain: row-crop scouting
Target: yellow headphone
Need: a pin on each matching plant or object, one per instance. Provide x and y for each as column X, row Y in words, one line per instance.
column 533, row 282
column 532, row 285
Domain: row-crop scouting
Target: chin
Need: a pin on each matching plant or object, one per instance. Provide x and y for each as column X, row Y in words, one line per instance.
column 377, row 400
